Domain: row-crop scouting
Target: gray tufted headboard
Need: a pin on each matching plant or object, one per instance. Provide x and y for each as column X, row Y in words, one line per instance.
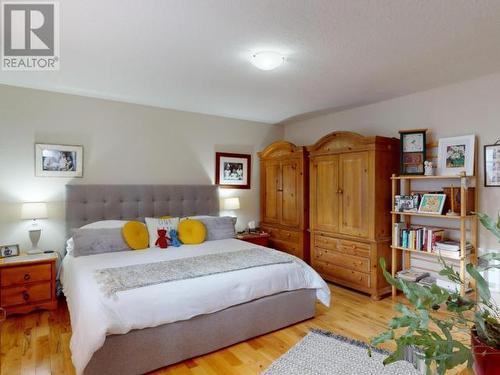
column 88, row 203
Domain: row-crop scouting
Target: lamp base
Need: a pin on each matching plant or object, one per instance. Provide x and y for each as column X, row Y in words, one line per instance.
column 35, row 237
column 34, row 251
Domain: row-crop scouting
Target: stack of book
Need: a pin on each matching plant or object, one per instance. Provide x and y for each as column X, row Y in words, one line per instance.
column 419, row 238
column 411, row 275
column 451, row 249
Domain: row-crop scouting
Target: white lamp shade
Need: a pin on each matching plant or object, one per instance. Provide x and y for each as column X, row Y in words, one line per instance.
column 34, row 211
column 232, row 203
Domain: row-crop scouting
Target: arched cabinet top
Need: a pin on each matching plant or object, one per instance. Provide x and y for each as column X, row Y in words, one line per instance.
column 344, row 141
column 280, row 149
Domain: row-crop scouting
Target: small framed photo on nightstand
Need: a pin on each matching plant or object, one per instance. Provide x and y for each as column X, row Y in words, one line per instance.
column 9, row 250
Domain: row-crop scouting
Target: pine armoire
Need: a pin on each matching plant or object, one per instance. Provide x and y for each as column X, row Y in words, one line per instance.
column 284, row 197
column 350, row 201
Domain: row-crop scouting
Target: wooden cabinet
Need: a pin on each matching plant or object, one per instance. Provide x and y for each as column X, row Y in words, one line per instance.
column 349, row 185
column 284, row 198
column 28, row 283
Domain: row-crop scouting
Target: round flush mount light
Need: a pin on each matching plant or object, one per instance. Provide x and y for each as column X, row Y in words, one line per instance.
column 267, row 60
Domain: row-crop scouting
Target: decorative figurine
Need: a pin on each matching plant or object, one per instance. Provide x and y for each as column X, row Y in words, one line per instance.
column 428, row 168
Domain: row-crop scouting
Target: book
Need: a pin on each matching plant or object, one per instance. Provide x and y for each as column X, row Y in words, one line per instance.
column 434, row 236
column 451, row 245
column 411, row 275
column 427, row 281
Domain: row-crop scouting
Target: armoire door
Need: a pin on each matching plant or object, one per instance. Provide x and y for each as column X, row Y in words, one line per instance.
column 271, row 174
column 354, row 189
column 290, row 192
column 325, row 193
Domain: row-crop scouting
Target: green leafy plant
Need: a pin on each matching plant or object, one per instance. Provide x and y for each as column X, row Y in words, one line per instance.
column 424, row 325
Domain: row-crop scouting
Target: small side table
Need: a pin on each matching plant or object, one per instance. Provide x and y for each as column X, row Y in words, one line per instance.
column 28, row 282
column 261, row 238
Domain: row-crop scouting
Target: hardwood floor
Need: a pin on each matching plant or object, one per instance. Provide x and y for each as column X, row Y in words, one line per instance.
column 38, row 343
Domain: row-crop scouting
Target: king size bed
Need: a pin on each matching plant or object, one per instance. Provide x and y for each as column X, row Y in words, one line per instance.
column 136, row 330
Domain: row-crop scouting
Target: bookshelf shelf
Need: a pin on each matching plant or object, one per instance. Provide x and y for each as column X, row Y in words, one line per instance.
column 467, row 224
column 426, row 253
column 433, row 215
column 419, row 177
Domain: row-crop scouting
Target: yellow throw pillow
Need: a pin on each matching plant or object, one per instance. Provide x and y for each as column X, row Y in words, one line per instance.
column 166, row 217
column 191, row 232
column 136, row 235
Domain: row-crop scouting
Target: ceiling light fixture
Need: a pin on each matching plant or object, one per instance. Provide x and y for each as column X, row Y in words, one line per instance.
column 267, row 60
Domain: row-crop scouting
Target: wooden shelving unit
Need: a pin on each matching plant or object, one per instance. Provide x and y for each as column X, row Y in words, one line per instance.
column 402, row 184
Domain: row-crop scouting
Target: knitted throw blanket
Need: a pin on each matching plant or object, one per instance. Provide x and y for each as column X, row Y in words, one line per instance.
column 119, row 279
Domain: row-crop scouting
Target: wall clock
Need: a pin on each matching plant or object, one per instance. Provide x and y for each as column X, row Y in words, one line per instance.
column 413, row 148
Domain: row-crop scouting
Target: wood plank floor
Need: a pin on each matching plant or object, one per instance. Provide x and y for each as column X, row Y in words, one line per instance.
column 38, row 343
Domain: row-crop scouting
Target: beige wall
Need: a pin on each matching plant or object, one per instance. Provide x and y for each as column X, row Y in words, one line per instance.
column 123, row 143
column 459, row 109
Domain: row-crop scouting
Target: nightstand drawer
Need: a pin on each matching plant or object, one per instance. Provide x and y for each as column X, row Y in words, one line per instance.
column 19, row 295
column 25, row 274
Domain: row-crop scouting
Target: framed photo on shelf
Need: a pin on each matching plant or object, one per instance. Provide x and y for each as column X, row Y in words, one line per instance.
column 492, row 165
column 432, row 204
column 58, row 160
column 9, row 250
column 412, row 152
column 456, row 155
column 233, row 170
column 406, row 203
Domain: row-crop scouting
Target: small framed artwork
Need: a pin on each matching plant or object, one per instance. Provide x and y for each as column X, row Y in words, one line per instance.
column 9, row 251
column 456, row 155
column 492, row 165
column 233, row 170
column 407, row 203
column 432, row 204
column 413, row 149
column 58, row 160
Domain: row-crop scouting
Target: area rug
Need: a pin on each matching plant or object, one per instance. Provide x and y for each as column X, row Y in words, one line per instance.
column 322, row 352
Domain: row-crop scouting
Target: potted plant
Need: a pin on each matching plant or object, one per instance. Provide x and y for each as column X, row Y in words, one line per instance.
column 475, row 323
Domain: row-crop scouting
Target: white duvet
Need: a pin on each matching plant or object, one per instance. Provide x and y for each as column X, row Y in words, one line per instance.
column 93, row 316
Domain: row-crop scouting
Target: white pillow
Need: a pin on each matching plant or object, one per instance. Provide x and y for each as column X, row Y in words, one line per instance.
column 70, row 244
column 154, row 224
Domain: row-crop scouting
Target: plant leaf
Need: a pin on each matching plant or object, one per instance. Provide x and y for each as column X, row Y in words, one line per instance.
column 490, row 224
column 481, row 284
column 383, row 337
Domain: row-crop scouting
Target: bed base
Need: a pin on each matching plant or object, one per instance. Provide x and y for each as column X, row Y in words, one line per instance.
column 144, row 350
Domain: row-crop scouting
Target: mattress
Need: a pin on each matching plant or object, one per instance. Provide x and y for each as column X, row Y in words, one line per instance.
column 94, row 316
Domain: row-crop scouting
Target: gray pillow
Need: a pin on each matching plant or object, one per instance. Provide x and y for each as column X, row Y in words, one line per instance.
column 98, row 241
column 218, row 228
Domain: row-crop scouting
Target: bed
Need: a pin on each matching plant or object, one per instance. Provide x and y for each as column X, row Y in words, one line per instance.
column 139, row 330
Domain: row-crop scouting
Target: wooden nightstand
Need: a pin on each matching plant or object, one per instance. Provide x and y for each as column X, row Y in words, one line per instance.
column 261, row 238
column 28, row 282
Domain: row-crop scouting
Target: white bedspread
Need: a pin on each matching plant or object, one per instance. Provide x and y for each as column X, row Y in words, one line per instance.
column 93, row 316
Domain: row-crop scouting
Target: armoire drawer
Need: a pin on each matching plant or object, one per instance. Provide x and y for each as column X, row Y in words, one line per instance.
column 287, row 247
column 289, row 236
column 341, row 274
column 359, row 249
column 282, row 234
column 355, row 263
column 326, row 242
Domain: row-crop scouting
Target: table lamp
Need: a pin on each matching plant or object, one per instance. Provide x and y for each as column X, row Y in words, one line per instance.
column 232, row 204
column 34, row 211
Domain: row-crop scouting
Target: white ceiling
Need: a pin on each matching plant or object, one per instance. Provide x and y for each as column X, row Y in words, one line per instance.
column 193, row 55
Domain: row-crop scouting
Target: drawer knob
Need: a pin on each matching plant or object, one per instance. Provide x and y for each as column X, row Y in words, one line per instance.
column 27, row 276
column 26, row 296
